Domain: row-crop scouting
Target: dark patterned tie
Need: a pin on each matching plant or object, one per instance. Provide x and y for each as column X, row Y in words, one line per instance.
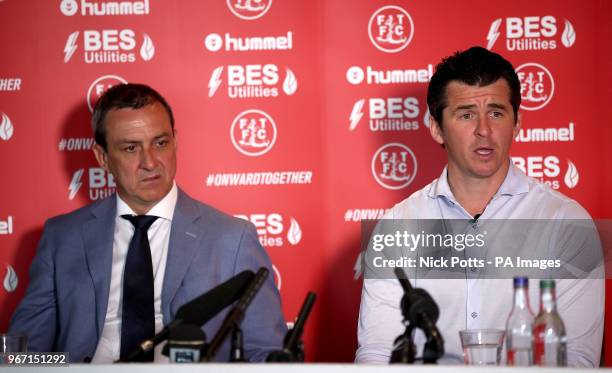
column 138, row 312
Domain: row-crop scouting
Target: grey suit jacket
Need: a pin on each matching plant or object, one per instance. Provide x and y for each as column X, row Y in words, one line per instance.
column 65, row 304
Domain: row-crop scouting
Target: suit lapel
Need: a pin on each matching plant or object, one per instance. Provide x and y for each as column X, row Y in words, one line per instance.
column 184, row 238
column 98, row 233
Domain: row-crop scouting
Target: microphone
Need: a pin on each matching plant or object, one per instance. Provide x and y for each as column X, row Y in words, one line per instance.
column 418, row 307
column 293, row 349
column 203, row 308
column 185, row 343
column 234, row 317
column 421, row 311
column 198, row 311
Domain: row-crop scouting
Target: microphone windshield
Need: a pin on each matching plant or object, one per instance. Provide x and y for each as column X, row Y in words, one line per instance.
column 208, row 305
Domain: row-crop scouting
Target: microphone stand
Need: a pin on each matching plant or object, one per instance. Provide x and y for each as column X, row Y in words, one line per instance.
column 404, row 351
column 197, row 311
column 236, row 314
column 434, row 346
column 237, row 346
column 293, row 347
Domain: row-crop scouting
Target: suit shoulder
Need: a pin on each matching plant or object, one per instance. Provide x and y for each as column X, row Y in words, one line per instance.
column 215, row 217
column 75, row 217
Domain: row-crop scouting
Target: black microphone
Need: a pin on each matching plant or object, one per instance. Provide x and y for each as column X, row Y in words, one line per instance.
column 418, row 307
column 292, row 345
column 208, row 305
column 421, row 311
column 234, row 317
column 185, row 344
column 199, row 310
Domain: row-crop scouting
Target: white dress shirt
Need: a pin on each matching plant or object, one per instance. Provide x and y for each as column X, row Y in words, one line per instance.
column 482, row 303
column 109, row 345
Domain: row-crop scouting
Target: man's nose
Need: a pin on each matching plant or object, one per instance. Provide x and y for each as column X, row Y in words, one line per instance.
column 148, row 159
column 483, row 126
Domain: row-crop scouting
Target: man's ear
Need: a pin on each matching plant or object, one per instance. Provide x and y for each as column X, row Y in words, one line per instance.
column 436, row 131
column 518, row 124
column 101, row 156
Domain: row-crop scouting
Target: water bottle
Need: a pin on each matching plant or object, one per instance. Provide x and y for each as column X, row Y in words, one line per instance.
column 549, row 340
column 519, row 338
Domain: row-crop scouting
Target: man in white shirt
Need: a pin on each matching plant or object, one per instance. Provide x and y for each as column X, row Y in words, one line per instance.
column 473, row 98
column 111, row 274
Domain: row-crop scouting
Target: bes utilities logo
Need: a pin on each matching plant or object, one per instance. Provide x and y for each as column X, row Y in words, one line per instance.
column 537, row 85
column 273, row 230
column 390, row 29
column 248, row 81
column 253, row 132
column 249, row 9
column 6, row 127
column 394, row 166
column 548, row 170
column 99, row 86
column 109, row 46
column 386, row 114
column 100, row 183
column 70, row 8
column 531, row 33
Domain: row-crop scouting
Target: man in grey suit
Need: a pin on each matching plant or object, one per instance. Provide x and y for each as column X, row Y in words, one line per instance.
column 112, row 273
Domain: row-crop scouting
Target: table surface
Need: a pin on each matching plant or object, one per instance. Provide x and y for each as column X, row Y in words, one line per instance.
column 283, row 368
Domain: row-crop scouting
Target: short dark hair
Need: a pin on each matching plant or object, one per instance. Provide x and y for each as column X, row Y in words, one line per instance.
column 475, row 66
column 131, row 95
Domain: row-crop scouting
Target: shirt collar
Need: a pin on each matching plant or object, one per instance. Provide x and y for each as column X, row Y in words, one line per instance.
column 515, row 183
column 163, row 209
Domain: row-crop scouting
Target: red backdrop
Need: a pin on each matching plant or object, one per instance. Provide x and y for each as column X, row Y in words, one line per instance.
column 302, row 116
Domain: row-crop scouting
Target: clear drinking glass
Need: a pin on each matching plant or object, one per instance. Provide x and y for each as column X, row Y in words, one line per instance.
column 482, row 346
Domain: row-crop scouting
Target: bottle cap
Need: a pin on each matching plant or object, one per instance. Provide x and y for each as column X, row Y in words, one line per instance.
column 547, row 284
column 521, row 282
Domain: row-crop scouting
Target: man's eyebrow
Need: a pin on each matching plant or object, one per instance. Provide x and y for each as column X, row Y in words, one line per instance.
column 165, row 134
column 464, row 107
column 495, row 105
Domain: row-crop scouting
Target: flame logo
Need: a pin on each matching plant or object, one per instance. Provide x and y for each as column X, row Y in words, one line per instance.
column 571, row 175
column 294, row 236
column 569, row 35
column 147, row 51
column 290, row 83
column 6, row 128
column 10, row 279
column 277, row 277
